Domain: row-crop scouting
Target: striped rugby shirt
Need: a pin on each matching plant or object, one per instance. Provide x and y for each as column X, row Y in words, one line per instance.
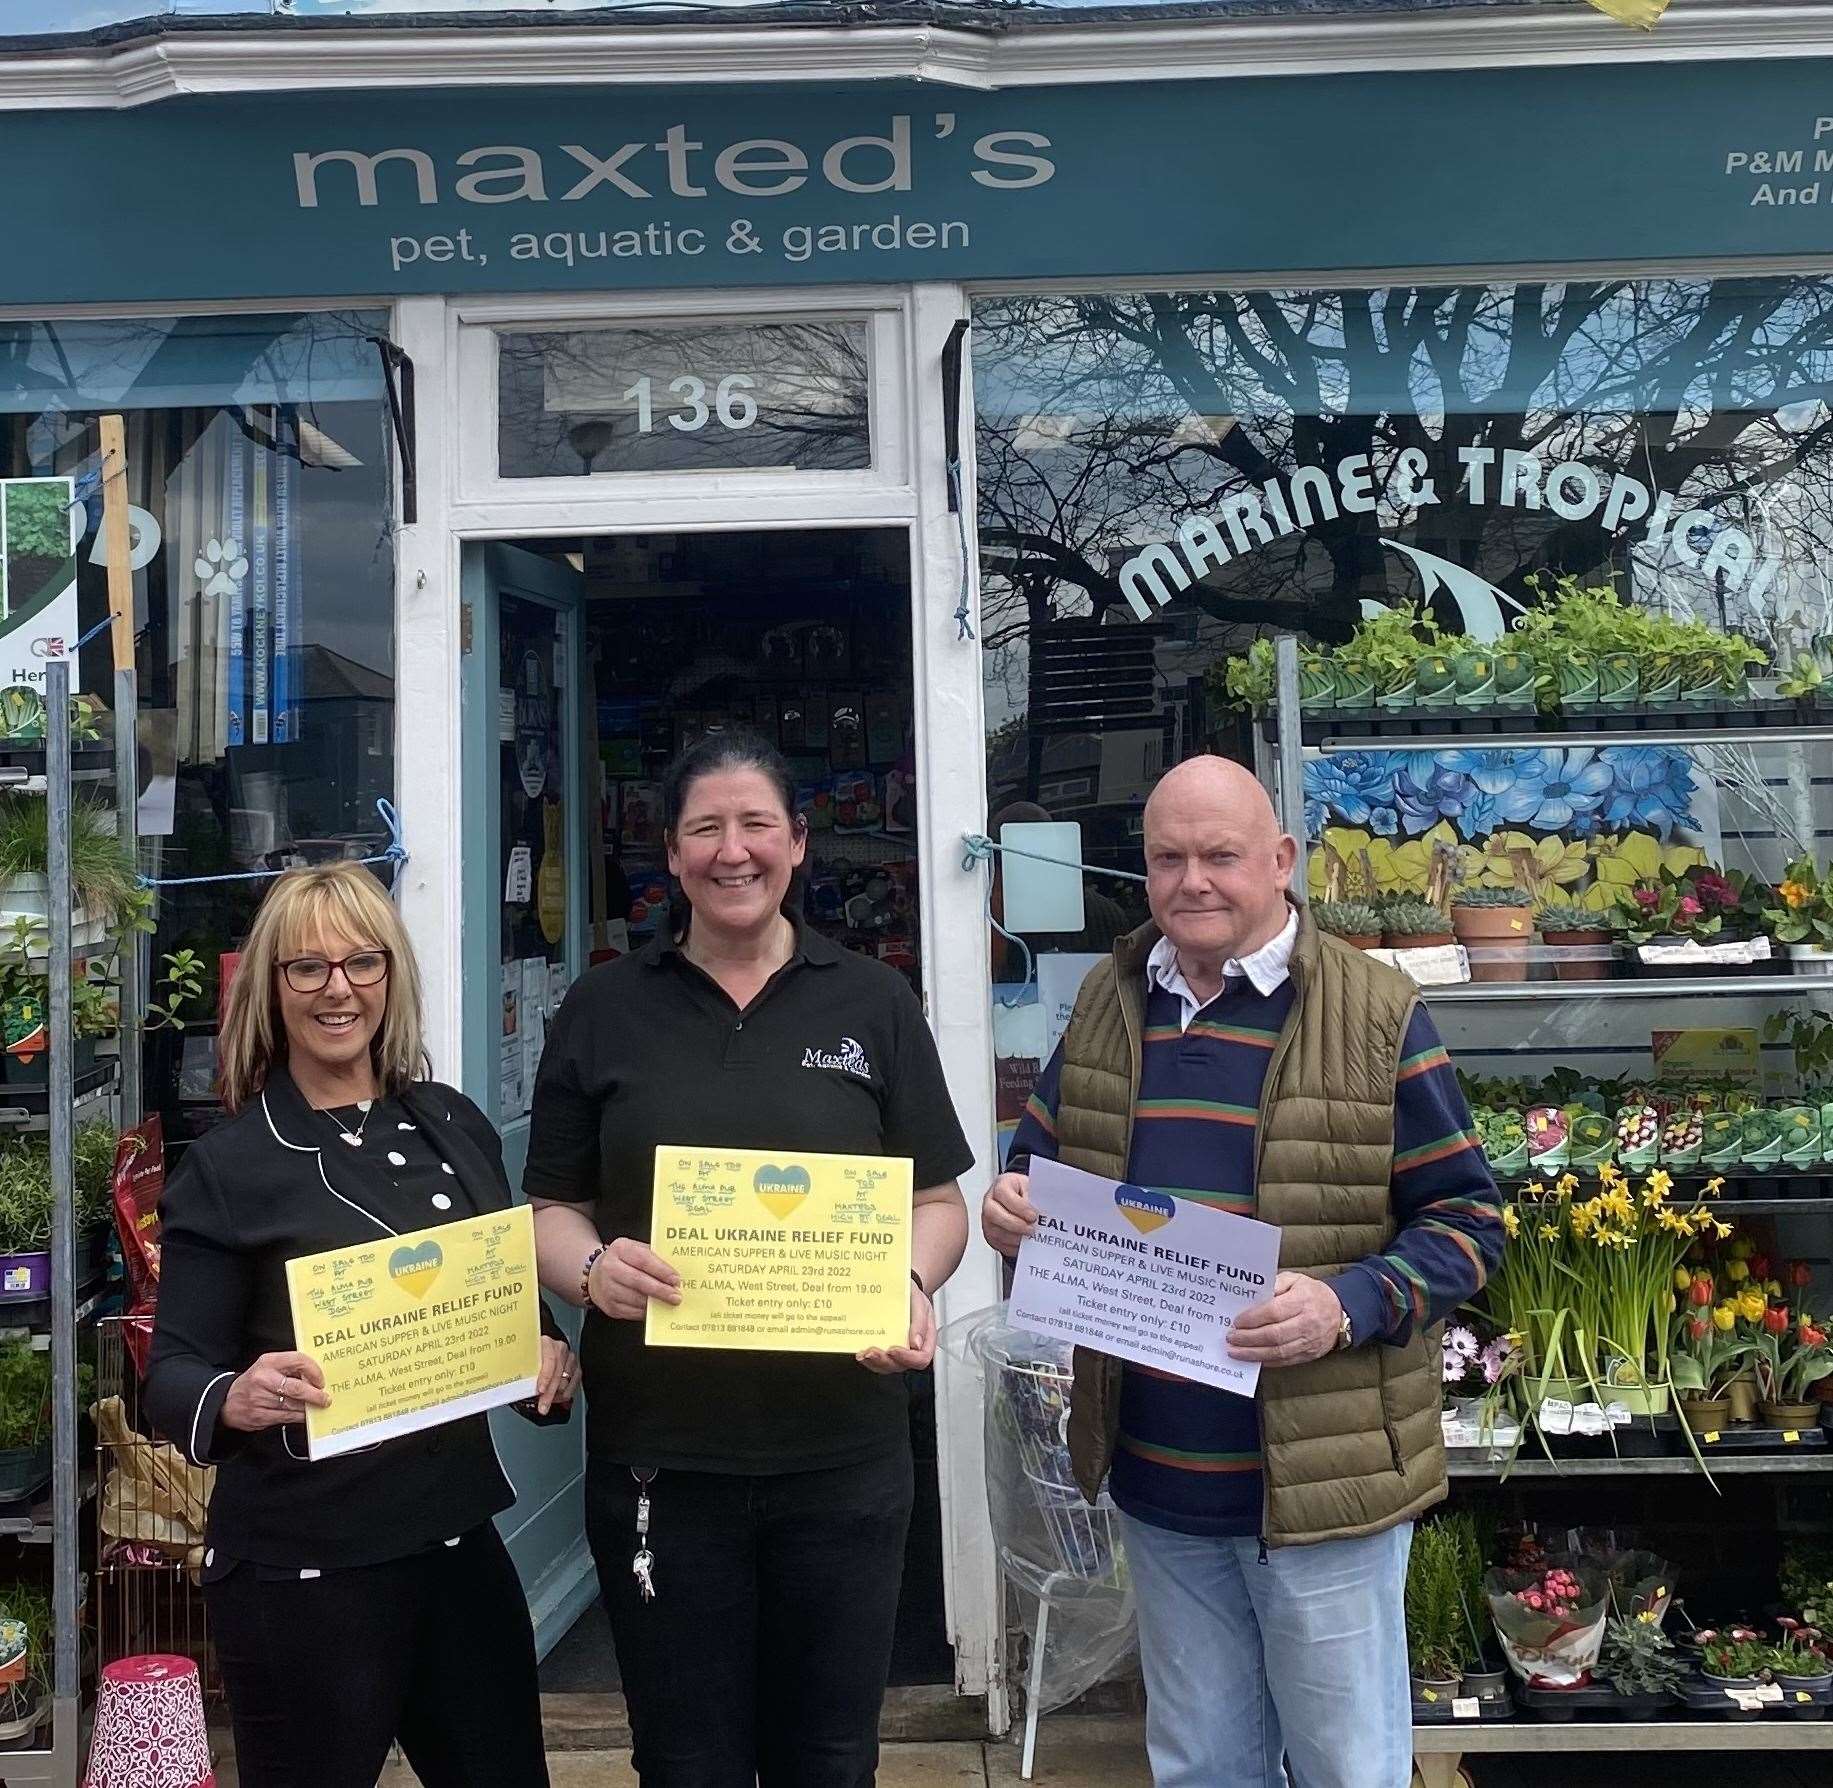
column 1189, row 1455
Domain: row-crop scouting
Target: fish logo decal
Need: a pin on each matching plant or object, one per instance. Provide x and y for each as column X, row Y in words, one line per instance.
column 1145, row 1210
column 780, row 1190
column 415, row 1269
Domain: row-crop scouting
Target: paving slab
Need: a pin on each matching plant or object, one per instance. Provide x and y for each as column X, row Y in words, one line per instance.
column 1074, row 1759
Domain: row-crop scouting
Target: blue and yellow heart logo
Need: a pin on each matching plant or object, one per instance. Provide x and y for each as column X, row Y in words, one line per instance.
column 1145, row 1210
column 780, row 1189
column 415, row 1269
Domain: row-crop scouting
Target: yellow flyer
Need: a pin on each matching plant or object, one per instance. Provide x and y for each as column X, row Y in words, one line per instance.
column 418, row 1329
column 792, row 1253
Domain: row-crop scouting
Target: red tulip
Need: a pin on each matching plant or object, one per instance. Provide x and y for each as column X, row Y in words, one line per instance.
column 1759, row 1266
column 1799, row 1274
column 1775, row 1319
column 1700, row 1291
column 1698, row 1328
column 1813, row 1337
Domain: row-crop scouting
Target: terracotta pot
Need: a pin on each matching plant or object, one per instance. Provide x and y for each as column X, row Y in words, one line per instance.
column 1791, row 1415
column 1578, row 971
column 1705, row 1415
column 1432, row 940
column 1361, row 940
column 1496, row 928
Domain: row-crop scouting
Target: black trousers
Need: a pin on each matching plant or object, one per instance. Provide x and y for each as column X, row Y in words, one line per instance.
column 435, row 1650
column 764, row 1655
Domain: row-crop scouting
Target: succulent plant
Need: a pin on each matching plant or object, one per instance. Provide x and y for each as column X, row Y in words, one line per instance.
column 1412, row 917
column 1559, row 917
column 1346, row 918
column 1491, row 897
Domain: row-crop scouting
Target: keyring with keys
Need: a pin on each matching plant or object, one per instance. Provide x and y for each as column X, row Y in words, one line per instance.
column 644, row 1564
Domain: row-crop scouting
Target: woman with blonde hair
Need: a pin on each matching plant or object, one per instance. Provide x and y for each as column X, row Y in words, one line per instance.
column 366, row 1599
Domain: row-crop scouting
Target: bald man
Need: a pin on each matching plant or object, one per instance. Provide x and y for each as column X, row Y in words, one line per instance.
column 1231, row 1054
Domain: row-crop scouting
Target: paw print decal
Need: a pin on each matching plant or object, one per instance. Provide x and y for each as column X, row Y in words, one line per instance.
column 222, row 567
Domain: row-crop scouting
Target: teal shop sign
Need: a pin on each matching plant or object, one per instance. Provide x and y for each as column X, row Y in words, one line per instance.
column 556, row 190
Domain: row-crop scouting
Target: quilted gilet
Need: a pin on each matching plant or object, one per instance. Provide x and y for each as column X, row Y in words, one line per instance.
column 1351, row 1443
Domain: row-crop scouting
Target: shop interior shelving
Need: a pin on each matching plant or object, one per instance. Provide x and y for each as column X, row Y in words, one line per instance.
column 1281, row 743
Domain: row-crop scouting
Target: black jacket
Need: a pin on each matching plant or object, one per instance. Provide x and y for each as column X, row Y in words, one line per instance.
column 255, row 1192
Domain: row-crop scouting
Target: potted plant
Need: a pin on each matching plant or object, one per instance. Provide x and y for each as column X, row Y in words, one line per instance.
column 1438, row 1640
column 102, row 872
column 1798, row 1668
column 1566, row 927
column 1734, row 1664
column 1354, row 921
column 1640, row 1663
column 1806, row 1580
column 25, row 1702
column 25, row 1420
column 1664, row 912
column 1802, row 918
column 1497, row 924
column 1708, row 1351
column 1413, row 923
column 1551, row 1620
column 1791, row 1356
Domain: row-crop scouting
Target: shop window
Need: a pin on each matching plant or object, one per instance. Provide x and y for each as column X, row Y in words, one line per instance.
column 1166, row 477
column 258, row 473
column 778, row 396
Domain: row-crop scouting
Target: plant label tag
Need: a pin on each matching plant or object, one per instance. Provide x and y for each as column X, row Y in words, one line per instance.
column 1790, row 1436
column 1619, row 1414
column 1467, row 1707
column 1804, row 1697
column 1770, row 1695
column 1428, row 1694
column 1589, row 1418
column 1745, row 1700
column 1556, row 1415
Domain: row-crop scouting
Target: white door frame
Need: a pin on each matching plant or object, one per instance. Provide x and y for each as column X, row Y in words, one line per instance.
column 460, row 498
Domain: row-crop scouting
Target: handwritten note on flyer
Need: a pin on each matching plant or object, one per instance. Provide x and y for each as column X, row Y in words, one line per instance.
column 796, row 1253
column 414, row 1330
column 1141, row 1275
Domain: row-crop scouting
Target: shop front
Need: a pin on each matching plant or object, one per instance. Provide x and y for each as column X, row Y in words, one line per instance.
column 959, row 430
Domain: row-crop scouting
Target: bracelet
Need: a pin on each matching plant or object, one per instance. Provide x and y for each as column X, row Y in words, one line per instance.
column 585, row 1274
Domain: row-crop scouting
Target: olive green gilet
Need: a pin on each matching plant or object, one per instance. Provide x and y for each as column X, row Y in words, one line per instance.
column 1351, row 1443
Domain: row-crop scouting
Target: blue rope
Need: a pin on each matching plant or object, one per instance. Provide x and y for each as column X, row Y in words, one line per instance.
column 954, row 488
column 395, row 853
column 100, row 626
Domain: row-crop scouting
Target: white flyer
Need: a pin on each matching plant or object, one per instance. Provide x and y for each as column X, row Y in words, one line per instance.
column 1142, row 1275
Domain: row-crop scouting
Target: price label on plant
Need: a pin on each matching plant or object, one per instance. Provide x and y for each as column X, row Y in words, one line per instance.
column 1556, row 1415
column 1467, row 1707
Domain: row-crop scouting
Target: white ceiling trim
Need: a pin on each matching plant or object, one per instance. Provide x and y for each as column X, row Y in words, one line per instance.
column 134, row 74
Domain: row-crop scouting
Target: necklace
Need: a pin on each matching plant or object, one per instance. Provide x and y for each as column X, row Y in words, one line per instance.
column 353, row 1137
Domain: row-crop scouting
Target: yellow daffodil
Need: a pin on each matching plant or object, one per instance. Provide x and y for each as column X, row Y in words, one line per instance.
column 1721, row 1229
column 1660, row 1182
column 1548, row 1233
column 1715, row 1185
column 1511, row 1221
column 1535, row 1189
column 1566, row 1185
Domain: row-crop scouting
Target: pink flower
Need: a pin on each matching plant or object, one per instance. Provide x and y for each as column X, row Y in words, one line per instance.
column 1647, row 898
column 1714, row 889
column 1686, row 907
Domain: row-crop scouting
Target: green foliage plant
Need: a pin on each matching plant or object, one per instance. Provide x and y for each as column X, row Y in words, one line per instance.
column 1346, row 918
column 1638, row 1658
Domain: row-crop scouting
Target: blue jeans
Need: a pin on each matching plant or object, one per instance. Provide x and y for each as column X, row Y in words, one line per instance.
column 1301, row 1658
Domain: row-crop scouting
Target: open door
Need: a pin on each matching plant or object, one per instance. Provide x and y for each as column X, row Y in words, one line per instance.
column 523, row 947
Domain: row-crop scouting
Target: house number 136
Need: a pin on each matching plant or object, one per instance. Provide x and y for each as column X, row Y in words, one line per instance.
column 732, row 403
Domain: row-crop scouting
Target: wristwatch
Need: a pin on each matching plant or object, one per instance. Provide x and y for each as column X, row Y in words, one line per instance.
column 1346, row 1336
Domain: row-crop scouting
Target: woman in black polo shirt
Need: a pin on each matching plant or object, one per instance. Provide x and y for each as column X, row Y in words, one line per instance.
column 778, row 1485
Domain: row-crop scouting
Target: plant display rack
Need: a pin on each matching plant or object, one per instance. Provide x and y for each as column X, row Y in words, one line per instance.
column 1281, row 740
column 51, row 1517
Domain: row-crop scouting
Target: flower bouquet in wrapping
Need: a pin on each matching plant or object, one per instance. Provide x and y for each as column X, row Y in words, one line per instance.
column 1550, row 1619
column 1641, row 1583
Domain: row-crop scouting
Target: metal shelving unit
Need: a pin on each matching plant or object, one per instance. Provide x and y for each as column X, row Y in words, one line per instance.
column 1280, row 758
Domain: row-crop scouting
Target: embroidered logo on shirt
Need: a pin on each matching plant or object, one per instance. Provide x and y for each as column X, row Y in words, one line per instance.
column 849, row 1058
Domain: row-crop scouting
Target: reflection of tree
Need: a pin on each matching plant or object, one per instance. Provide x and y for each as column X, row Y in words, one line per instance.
column 1106, row 421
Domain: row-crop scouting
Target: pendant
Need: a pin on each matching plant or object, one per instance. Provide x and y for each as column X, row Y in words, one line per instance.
column 350, row 1136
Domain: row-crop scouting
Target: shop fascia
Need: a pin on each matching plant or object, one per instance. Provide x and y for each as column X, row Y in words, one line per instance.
column 1509, row 478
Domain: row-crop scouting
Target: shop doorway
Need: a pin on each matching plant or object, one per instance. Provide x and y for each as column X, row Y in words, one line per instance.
column 594, row 660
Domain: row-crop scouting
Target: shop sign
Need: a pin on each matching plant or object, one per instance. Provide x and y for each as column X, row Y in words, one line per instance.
column 542, row 190
column 1509, row 478
column 40, row 521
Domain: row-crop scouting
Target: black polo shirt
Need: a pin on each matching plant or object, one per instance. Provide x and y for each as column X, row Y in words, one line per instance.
column 832, row 1056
